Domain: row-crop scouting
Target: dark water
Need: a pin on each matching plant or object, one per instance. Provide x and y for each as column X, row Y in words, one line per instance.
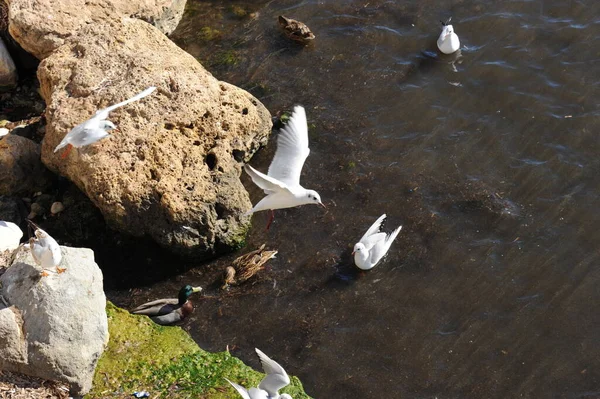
column 490, row 162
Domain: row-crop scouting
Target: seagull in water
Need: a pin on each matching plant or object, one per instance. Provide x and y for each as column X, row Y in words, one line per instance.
column 448, row 41
column 282, row 184
column 373, row 245
column 269, row 387
column 95, row 128
column 45, row 250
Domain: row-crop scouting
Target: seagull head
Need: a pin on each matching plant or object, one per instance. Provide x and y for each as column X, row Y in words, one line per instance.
column 359, row 248
column 447, row 30
column 313, row 197
column 107, row 125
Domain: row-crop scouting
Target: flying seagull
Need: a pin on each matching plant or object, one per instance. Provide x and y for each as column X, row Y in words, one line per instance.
column 282, row 184
column 269, row 387
column 95, row 128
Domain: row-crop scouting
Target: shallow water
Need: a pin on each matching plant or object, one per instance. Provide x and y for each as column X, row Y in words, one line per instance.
column 488, row 159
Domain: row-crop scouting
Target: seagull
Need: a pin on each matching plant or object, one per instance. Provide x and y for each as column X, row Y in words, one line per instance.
column 448, row 41
column 45, row 250
column 269, row 387
column 95, row 128
column 282, row 184
column 10, row 236
column 373, row 245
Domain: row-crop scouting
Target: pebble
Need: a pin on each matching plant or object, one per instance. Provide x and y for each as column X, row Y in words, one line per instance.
column 57, row 207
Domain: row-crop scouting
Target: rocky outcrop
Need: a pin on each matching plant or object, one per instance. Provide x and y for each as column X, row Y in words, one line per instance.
column 8, row 71
column 172, row 169
column 54, row 327
column 21, row 171
column 41, row 26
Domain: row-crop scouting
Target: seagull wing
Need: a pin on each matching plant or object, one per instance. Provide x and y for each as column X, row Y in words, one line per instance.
column 276, row 377
column 267, row 183
column 373, row 229
column 381, row 248
column 252, row 393
column 292, row 149
column 373, row 239
column 103, row 113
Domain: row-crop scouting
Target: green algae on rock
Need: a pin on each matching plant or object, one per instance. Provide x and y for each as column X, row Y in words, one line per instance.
column 166, row 362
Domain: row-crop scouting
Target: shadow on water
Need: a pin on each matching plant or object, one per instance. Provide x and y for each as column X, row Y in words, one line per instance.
column 488, row 160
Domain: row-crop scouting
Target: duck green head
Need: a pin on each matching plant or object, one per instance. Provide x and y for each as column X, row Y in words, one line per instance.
column 185, row 293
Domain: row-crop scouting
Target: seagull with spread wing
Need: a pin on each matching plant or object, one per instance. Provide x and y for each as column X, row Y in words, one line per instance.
column 269, row 387
column 95, row 128
column 373, row 246
column 282, row 183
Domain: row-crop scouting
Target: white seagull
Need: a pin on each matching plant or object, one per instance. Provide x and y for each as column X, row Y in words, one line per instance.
column 448, row 41
column 373, row 245
column 45, row 250
column 95, row 128
column 10, row 236
column 269, row 387
column 282, row 184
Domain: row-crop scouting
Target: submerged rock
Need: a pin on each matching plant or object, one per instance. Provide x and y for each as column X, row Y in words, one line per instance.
column 176, row 158
column 8, row 71
column 53, row 327
column 41, row 26
column 21, row 170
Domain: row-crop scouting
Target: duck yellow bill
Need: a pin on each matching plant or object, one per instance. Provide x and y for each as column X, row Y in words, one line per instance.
column 196, row 289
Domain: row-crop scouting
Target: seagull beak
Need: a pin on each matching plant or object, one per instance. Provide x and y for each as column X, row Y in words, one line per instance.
column 323, row 205
column 353, row 252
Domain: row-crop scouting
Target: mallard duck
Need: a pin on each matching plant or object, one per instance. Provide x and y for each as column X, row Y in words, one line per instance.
column 169, row 311
column 295, row 30
column 246, row 266
column 45, row 250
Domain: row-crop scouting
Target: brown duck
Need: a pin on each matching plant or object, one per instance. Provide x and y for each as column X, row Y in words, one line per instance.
column 246, row 266
column 295, row 30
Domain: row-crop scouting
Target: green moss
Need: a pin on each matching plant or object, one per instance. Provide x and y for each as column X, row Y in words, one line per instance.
column 208, row 34
column 225, row 58
column 166, row 362
column 238, row 11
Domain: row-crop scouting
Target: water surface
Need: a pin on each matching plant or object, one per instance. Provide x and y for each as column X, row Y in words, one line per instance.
column 489, row 160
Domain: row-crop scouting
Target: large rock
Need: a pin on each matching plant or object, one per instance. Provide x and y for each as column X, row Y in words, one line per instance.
column 8, row 71
column 54, row 327
column 21, row 170
column 176, row 158
column 41, row 26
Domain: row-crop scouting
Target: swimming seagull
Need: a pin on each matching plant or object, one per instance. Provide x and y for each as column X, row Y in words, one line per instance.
column 95, row 128
column 373, row 245
column 282, row 184
column 269, row 387
column 448, row 41
column 45, row 250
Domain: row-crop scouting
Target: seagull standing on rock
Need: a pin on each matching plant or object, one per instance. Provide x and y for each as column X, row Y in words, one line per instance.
column 282, row 184
column 95, row 128
column 269, row 387
column 45, row 250
column 373, row 246
column 448, row 41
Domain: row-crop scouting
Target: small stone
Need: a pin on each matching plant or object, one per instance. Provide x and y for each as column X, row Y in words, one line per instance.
column 37, row 208
column 57, row 207
column 8, row 71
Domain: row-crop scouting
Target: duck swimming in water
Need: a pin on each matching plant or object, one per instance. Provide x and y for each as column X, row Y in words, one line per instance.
column 448, row 41
column 295, row 30
column 169, row 311
column 246, row 266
